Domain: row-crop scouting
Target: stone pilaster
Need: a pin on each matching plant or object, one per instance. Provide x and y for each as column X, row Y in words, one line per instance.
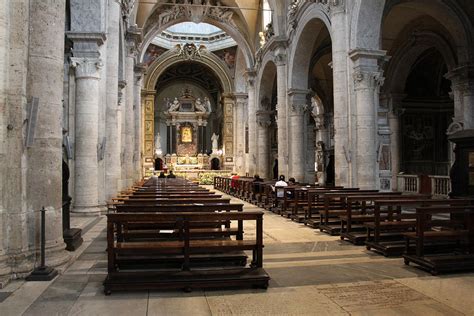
column 112, row 152
column 240, row 104
column 367, row 79
column 4, row 44
column 264, row 122
column 394, row 124
column 228, row 133
column 297, row 108
column 137, row 110
column 121, row 132
column 462, row 79
column 342, row 133
column 252, row 123
column 86, row 145
column 281, row 63
column 44, row 172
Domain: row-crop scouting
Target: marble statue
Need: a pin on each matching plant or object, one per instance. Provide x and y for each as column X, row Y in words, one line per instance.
column 199, row 106
column 175, row 105
column 214, row 139
column 207, row 104
column 158, row 150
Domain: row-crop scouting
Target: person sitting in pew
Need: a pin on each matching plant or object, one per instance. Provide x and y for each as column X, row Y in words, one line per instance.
column 233, row 182
column 280, row 183
column 162, row 175
column 171, row 175
column 256, row 178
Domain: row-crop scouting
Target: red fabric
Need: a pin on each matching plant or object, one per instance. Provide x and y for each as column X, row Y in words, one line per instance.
column 233, row 183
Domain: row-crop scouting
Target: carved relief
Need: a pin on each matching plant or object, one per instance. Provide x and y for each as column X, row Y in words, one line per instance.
column 189, row 51
column 367, row 79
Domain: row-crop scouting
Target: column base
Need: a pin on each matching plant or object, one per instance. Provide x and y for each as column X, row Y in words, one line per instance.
column 5, row 272
column 42, row 274
column 86, row 211
column 72, row 238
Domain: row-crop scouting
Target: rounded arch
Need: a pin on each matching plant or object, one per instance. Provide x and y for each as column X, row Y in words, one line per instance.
column 313, row 21
column 233, row 31
column 170, row 58
column 265, row 79
column 400, row 65
column 446, row 12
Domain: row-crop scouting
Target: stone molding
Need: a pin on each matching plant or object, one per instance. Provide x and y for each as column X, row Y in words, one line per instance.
column 134, row 37
column 87, row 67
column 462, row 78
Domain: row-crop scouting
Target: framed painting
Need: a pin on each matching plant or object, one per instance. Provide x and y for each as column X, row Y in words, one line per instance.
column 186, row 134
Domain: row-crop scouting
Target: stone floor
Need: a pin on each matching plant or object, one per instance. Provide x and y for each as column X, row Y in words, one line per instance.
column 312, row 274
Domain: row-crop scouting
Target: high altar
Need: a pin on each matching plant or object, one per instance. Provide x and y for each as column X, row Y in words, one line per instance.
column 186, row 136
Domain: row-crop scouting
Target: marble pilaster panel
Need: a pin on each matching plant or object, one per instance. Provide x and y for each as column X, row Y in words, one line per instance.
column 394, row 124
column 112, row 153
column 44, row 173
column 129, row 120
column 228, row 132
column 148, row 100
column 239, row 123
column 86, row 146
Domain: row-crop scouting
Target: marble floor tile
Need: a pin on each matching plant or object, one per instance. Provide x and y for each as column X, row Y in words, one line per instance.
column 178, row 304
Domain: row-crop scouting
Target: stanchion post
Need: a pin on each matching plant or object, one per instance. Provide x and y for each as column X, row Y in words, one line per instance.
column 43, row 273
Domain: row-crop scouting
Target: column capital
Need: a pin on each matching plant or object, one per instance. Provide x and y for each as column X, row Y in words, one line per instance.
column 86, row 67
column 264, row 118
column 462, row 77
column 280, row 57
column 134, row 37
column 367, row 79
column 298, row 109
column 250, row 75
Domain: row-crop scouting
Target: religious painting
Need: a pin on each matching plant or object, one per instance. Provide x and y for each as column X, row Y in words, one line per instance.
column 384, row 157
column 186, row 134
column 227, row 55
column 152, row 53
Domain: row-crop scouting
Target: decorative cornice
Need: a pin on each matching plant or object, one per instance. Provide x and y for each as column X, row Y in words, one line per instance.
column 97, row 37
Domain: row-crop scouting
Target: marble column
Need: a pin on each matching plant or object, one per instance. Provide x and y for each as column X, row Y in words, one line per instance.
column 240, row 104
column 281, row 62
column 112, row 153
column 394, row 124
column 252, row 123
column 264, row 121
column 44, row 170
column 342, row 132
column 297, row 108
column 86, row 146
column 462, row 79
column 367, row 79
column 137, row 110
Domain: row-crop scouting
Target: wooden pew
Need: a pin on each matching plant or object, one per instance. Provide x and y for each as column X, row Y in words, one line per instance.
column 437, row 226
column 120, row 278
column 392, row 218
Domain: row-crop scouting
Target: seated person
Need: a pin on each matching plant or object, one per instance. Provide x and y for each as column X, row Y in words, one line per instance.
column 291, row 181
column 162, row 175
column 233, row 182
column 256, row 178
column 171, row 175
column 280, row 183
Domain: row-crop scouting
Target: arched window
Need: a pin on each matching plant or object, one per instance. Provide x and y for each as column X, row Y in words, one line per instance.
column 266, row 14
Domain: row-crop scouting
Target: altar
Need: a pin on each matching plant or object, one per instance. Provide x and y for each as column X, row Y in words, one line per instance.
column 187, row 141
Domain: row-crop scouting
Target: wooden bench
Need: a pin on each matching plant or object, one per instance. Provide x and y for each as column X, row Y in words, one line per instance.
column 437, row 226
column 121, row 278
column 392, row 218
